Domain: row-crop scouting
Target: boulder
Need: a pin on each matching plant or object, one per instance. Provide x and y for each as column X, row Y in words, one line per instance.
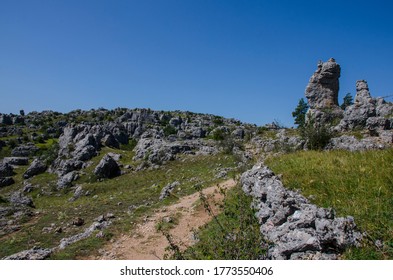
column 167, row 190
column 66, row 180
column 19, row 199
column 110, row 141
column 6, row 169
column 36, row 167
column 6, row 181
column 26, row 150
column 107, row 168
column 16, row 160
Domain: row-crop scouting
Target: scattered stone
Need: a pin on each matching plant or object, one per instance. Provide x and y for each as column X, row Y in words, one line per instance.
column 6, row 169
column 78, row 222
column 77, row 193
column 6, row 181
column 36, row 167
column 18, row 199
column 167, row 190
column 33, row 254
column 16, row 160
column 65, row 242
column 26, row 150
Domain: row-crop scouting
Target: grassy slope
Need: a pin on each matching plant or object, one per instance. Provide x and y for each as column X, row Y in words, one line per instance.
column 359, row 184
column 139, row 190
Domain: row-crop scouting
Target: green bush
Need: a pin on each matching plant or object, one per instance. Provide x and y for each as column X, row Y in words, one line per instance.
column 169, row 130
column 317, row 136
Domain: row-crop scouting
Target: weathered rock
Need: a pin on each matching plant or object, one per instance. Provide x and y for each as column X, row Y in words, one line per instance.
column 383, row 108
column 356, row 115
column 26, row 150
column 110, row 141
column 33, row 254
column 350, row 143
column 6, row 181
column 167, row 190
column 75, row 238
column 377, row 124
column 386, row 136
column 78, row 222
column 66, row 180
column 6, row 169
column 296, row 228
column 36, row 167
column 78, row 192
column 107, row 168
column 19, row 199
column 16, row 160
column 322, row 89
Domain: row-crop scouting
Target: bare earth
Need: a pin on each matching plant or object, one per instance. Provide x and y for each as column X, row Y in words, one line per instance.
column 145, row 243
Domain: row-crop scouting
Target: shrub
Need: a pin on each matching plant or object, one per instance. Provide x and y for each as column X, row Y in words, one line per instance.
column 169, row 130
column 317, row 136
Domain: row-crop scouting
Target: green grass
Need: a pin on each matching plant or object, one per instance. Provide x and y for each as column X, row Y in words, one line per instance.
column 359, row 184
column 234, row 236
column 129, row 197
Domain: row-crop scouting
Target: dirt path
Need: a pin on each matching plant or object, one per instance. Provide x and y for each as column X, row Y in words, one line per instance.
column 145, row 243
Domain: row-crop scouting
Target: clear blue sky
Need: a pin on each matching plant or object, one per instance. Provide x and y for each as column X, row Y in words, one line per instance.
column 250, row 60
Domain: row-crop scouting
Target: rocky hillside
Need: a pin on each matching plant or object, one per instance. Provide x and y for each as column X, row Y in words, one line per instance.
column 77, row 162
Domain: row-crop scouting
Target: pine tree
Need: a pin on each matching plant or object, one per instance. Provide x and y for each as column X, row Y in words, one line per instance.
column 300, row 113
column 347, row 101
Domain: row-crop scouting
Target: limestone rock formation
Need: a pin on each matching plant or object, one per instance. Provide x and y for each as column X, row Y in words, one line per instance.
column 356, row 115
column 322, row 89
column 322, row 93
column 296, row 228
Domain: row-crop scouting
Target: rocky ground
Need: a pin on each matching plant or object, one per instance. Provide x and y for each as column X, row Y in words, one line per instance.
column 53, row 154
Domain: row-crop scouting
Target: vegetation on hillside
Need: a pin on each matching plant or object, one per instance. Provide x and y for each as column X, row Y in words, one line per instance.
column 357, row 184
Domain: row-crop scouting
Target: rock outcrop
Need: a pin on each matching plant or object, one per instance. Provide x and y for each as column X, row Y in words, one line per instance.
column 36, row 167
column 296, row 228
column 107, row 168
column 322, row 94
column 375, row 115
column 322, row 89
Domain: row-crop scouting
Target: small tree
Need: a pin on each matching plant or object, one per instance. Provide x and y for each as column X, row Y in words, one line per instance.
column 300, row 113
column 347, row 101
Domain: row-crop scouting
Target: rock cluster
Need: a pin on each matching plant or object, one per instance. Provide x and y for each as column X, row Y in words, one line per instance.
column 367, row 112
column 372, row 114
column 296, row 228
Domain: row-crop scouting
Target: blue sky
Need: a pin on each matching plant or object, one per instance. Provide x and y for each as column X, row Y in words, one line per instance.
column 250, row 60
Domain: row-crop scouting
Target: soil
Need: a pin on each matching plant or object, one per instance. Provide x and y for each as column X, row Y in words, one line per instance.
column 144, row 242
